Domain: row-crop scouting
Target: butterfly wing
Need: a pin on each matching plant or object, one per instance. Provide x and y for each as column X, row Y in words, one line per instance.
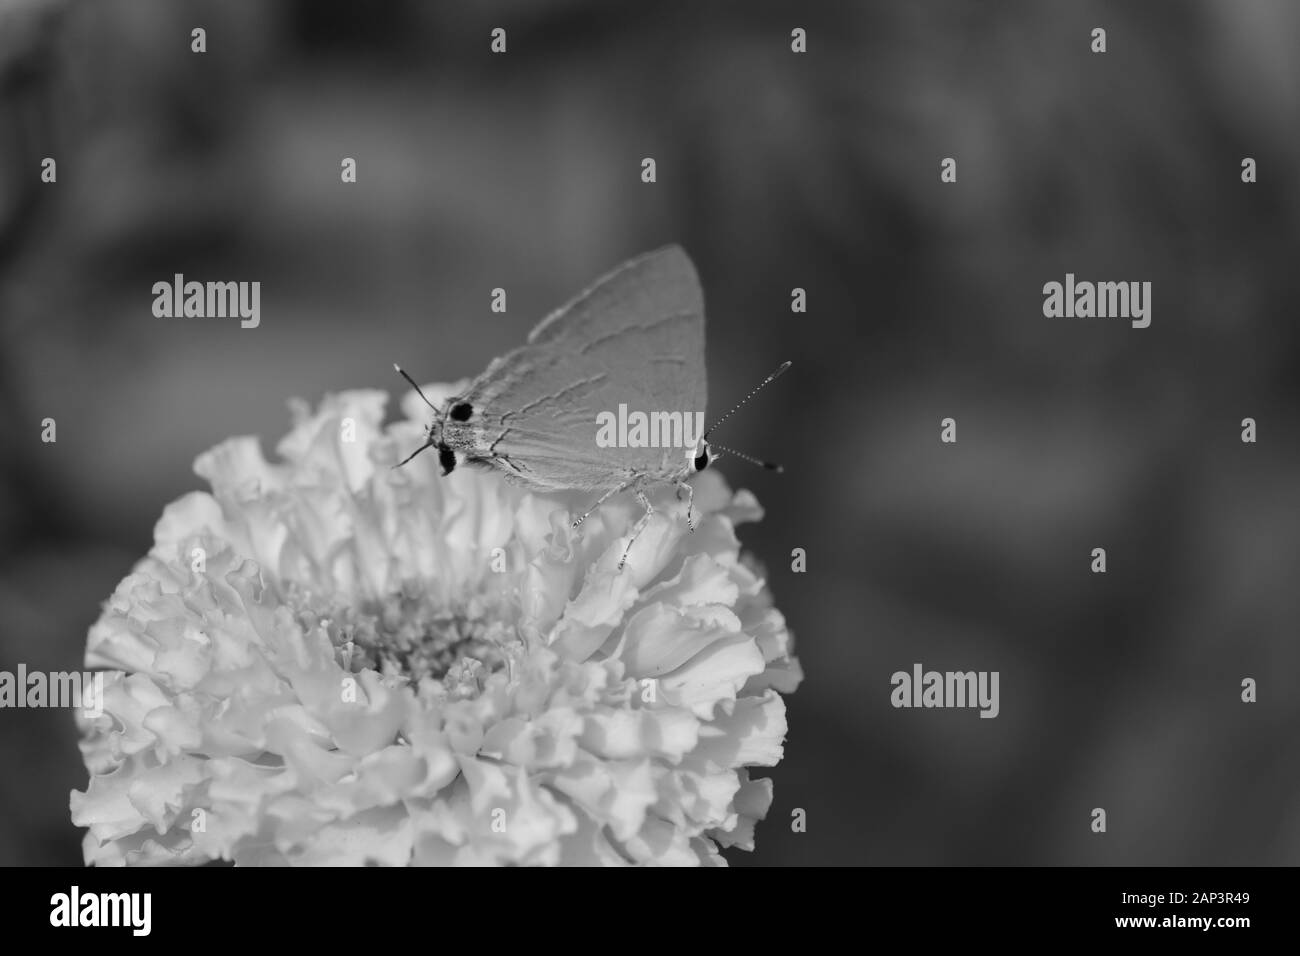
column 635, row 338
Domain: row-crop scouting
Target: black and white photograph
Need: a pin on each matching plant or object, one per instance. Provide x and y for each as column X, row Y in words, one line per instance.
column 575, row 434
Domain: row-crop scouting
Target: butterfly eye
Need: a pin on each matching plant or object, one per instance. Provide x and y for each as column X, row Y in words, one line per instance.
column 702, row 459
column 461, row 411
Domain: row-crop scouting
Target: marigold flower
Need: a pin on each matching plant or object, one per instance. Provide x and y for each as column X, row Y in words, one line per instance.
column 329, row 661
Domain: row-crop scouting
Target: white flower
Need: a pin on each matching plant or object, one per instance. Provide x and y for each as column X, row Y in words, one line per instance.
column 328, row 661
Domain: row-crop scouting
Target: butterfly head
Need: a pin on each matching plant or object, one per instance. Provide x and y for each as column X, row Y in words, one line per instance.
column 446, row 457
column 446, row 424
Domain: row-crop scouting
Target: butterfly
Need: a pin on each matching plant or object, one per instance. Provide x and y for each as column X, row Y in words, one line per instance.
column 634, row 339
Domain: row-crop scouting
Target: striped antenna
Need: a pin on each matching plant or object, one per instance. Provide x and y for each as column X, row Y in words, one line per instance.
column 417, row 390
column 757, row 388
column 769, row 465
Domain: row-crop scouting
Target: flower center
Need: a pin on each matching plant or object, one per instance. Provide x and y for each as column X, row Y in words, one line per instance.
column 407, row 635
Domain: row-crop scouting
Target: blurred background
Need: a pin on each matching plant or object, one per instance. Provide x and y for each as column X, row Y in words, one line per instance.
column 775, row 170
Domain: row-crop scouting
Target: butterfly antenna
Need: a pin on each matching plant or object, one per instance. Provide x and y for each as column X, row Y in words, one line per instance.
column 741, row 404
column 427, row 444
column 421, row 394
column 769, row 465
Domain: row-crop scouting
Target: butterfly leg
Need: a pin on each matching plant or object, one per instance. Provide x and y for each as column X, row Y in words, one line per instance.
column 600, row 501
column 690, row 502
column 638, row 527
